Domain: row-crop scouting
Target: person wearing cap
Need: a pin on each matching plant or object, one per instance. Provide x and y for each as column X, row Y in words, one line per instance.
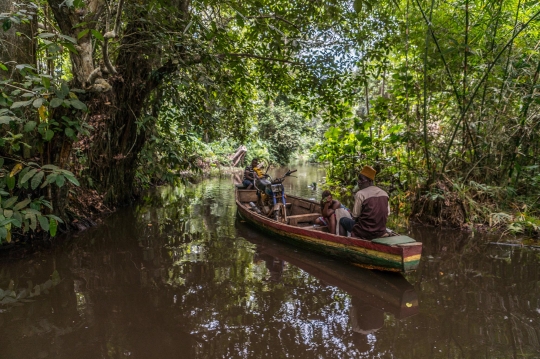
column 371, row 208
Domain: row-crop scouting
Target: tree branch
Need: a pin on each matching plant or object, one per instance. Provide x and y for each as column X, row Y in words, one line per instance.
column 111, row 35
column 275, row 17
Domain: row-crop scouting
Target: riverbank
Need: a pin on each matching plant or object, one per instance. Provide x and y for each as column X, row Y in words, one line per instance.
column 472, row 208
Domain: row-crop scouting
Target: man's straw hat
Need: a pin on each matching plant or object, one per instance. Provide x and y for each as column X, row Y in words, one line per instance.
column 369, row 172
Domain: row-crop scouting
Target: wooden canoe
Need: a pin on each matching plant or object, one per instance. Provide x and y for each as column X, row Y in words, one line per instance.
column 389, row 292
column 396, row 254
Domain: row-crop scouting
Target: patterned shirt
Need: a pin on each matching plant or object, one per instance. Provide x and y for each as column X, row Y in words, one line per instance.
column 251, row 171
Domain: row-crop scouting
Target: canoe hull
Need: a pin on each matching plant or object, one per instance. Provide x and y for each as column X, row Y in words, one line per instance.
column 396, row 258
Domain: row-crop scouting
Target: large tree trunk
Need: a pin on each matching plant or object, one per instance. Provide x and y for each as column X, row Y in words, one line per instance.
column 117, row 141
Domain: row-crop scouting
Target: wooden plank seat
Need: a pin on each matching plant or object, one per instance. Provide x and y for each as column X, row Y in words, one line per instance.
column 300, row 218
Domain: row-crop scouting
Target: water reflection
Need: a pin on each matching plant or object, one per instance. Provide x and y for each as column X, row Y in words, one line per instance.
column 176, row 277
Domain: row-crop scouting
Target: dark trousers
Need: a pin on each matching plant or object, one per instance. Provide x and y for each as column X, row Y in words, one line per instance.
column 347, row 223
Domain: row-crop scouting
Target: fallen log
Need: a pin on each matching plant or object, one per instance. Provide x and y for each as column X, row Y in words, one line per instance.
column 239, row 155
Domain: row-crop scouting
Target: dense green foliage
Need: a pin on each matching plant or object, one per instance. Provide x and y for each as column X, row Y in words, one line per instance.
column 450, row 116
column 282, row 130
column 440, row 97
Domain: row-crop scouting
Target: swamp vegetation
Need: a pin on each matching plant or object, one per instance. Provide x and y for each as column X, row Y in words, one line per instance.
column 101, row 98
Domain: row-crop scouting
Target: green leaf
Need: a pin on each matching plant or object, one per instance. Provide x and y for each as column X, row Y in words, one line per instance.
column 71, row 48
column 64, row 90
column 8, row 213
column 18, row 217
column 49, row 167
column 22, row 173
column 29, row 126
column 6, row 221
column 58, row 219
column 3, row 67
column 45, row 35
column 68, row 38
column 240, row 20
column 6, row 119
column 36, row 181
column 10, row 202
column 82, row 33
column 16, row 223
column 53, row 225
column 46, row 81
column 48, row 135
column 43, row 222
column 33, row 220
column 20, row 104
column 32, row 211
column 51, row 178
column 60, row 180
column 357, row 6
column 21, row 204
column 28, row 175
column 38, row 102
column 10, row 181
column 55, row 102
column 73, row 180
column 97, row 35
column 78, row 105
column 69, row 132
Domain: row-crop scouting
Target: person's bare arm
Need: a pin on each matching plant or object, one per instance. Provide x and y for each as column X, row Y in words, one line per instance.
column 329, row 208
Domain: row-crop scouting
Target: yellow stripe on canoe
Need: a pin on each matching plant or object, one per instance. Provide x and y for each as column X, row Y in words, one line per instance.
column 369, row 252
column 416, row 257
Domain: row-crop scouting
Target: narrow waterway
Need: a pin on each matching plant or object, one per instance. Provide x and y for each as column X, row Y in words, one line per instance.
column 180, row 277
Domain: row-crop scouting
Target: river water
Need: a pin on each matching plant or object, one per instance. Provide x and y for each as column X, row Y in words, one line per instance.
column 179, row 276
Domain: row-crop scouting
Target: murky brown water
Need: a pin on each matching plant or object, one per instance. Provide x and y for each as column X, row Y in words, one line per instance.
column 180, row 277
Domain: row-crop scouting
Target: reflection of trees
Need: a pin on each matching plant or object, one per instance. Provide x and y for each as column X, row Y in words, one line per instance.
column 186, row 286
column 475, row 301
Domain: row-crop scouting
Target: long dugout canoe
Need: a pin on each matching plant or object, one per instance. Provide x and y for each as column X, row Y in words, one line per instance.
column 396, row 254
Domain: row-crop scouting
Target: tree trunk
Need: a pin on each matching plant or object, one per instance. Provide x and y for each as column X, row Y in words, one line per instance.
column 118, row 140
column 118, row 137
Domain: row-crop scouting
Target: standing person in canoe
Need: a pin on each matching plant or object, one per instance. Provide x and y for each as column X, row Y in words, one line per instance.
column 371, row 208
column 250, row 173
column 333, row 211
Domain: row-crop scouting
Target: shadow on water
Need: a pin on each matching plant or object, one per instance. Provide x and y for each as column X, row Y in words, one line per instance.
column 178, row 277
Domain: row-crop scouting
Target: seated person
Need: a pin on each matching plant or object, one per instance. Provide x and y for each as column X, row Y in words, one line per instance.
column 371, row 208
column 250, row 174
column 332, row 211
